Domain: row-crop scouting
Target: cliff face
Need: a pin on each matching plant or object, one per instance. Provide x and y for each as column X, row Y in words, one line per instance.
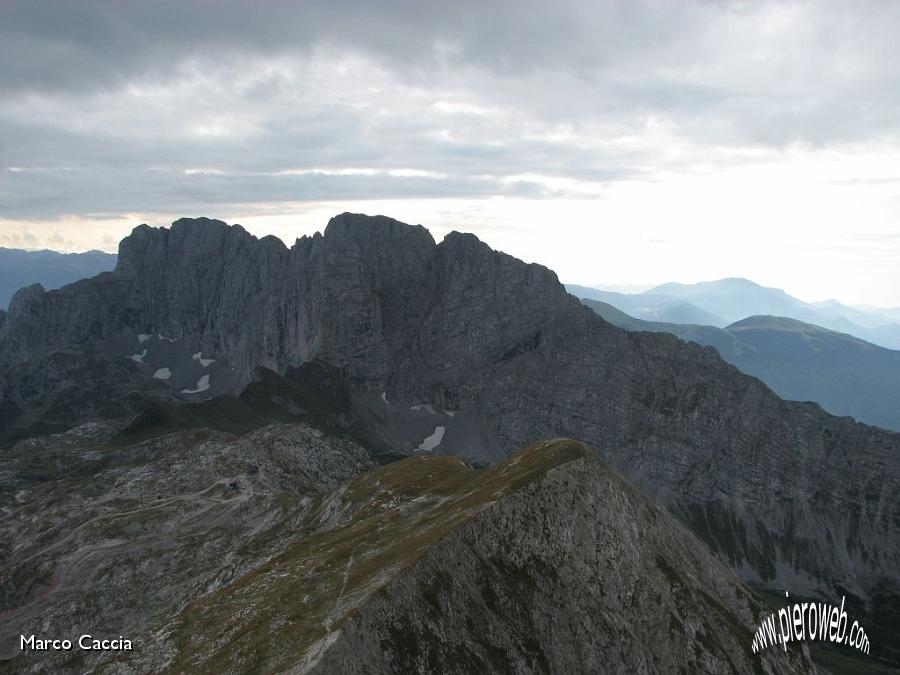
column 787, row 494
column 359, row 296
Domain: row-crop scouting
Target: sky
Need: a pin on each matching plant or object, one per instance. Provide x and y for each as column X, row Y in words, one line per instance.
column 618, row 143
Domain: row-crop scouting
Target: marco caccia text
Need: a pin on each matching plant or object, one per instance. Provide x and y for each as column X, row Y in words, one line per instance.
column 84, row 642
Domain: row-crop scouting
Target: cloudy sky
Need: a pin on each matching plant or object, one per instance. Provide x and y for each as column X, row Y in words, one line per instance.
column 616, row 142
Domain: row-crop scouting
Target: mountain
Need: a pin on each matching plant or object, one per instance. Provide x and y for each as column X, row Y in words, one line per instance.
column 804, row 362
column 486, row 354
column 50, row 269
column 650, row 306
column 799, row 361
column 729, row 300
column 893, row 313
column 734, row 299
column 287, row 550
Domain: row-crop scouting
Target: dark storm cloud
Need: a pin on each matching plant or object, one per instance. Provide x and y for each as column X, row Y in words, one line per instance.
column 128, row 106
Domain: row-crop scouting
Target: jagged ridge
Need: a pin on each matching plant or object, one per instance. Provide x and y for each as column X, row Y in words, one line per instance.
column 783, row 491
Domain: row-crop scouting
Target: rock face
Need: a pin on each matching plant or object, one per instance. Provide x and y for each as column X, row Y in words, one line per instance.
column 284, row 551
column 108, row 539
column 788, row 495
column 799, row 361
column 48, row 392
column 574, row 572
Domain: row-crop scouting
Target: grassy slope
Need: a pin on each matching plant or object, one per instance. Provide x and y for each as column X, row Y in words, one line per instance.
column 306, row 593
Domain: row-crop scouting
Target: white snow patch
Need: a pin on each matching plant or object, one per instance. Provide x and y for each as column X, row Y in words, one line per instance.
column 423, row 406
column 431, row 442
column 138, row 358
column 203, row 362
column 202, row 385
column 162, row 374
column 384, row 397
column 163, row 337
column 452, row 413
column 143, row 337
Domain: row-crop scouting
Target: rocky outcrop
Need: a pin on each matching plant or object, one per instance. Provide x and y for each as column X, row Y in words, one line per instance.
column 574, row 572
column 547, row 562
column 54, row 389
column 111, row 539
column 788, row 495
column 799, row 361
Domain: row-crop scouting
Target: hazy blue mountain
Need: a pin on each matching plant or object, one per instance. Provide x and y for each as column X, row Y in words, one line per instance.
column 871, row 318
column 725, row 301
column 651, row 306
column 886, row 336
column 49, row 268
column 799, row 361
column 734, row 299
column 892, row 313
column 846, row 375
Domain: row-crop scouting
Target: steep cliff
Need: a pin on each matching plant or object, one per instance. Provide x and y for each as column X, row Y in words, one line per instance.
column 501, row 356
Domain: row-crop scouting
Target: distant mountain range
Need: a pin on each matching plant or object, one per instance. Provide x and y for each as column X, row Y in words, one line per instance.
column 723, row 302
column 799, row 361
column 49, row 268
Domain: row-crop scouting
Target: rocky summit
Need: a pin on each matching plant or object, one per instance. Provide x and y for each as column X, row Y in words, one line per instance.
column 445, row 348
column 284, row 550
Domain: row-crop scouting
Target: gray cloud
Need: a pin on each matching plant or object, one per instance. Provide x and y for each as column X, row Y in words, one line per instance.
column 135, row 106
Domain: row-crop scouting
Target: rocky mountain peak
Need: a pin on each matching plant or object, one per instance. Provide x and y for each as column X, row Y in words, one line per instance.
column 22, row 298
column 456, row 348
column 187, row 240
column 363, row 229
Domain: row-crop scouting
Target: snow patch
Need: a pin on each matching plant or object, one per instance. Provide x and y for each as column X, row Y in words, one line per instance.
column 138, row 358
column 162, row 374
column 384, row 397
column 202, row 385
column 423, row 406
column 431, row 442
column 203, row 362
column 143, row 337
column 167, row 339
